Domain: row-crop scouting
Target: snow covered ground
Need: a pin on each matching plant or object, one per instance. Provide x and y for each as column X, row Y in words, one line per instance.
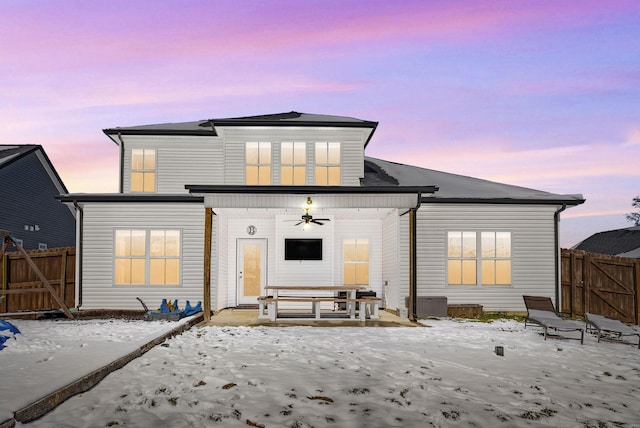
column 445, row 375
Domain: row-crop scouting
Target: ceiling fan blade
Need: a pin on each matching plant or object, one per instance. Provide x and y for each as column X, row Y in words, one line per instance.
column 323, row 219
column 299, row 223
column 317, row 222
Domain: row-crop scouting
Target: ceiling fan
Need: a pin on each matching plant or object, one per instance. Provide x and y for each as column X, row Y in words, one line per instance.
column 308, row 219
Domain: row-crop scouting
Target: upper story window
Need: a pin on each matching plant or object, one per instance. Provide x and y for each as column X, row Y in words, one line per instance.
column 488, row 251
column 258, row 163
column 143, row 170
column 327, row 164
column 293, row 163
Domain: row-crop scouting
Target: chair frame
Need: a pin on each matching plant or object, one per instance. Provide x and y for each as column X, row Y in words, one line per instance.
column 606, row 326
column 547, row 318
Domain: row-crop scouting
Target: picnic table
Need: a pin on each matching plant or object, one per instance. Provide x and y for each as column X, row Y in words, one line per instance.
column 316, row 295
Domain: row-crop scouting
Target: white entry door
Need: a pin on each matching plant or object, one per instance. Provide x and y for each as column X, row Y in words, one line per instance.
column 252, row 270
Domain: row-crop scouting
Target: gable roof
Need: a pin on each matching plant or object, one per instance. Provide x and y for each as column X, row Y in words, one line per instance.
column 10, row 154
column 208, row 126
column 453, row 188
column 618, row 242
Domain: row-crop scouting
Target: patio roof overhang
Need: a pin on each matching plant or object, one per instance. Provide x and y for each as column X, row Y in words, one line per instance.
column 323, row 196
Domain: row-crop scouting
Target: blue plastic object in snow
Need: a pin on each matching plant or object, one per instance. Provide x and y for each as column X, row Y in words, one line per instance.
column 192, row 310
column 6, row 325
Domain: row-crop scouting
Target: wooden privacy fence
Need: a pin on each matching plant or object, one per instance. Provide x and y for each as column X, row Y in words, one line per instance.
column 58, row 266
column 600, row 284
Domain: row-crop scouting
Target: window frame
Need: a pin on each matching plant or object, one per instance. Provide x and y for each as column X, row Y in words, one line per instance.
column 480, row 258
column 147, row 257
column 327, row 165
column 260, row 164
column 293, row 164
column 147, row 173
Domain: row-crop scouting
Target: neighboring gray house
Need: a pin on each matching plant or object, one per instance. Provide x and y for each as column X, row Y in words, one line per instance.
column 399, row 230
column 619, row 242
column 28, row 186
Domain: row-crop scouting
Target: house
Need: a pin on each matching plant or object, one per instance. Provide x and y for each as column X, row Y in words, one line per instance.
column 619, row 242
column 29, row 209
column 216, row 209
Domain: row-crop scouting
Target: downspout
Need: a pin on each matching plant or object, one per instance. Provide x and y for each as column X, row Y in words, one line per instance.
column 556, row 241
column 79, row 248
column 121, row 190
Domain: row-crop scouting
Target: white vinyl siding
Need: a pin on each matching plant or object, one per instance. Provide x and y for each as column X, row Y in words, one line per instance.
column 351, row 141
column 533, row 252
column 179, row 161
column 100, row 222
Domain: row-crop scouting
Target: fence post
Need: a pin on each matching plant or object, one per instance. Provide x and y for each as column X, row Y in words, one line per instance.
column 573, row 284
column 586, row 284
column 5, row 280
column 637, row 291
column 63, row 275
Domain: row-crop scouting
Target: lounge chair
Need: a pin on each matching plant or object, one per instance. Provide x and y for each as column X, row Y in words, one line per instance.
column 608, row 326
column 541, row 312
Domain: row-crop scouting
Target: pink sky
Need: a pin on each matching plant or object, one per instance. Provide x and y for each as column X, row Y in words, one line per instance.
column 542, row 94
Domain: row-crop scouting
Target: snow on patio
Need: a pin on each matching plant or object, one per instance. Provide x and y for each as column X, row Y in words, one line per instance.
column 446, row 375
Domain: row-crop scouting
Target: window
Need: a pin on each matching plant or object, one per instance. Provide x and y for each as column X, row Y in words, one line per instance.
column 143, row 170
column 147, row 257
column 356, row 261
column 164, row 257
column 258, row 163
column 461, row 251
column 327, row 164
column 293, row 163
column 42, row 246
column 496, row 258
column 488, row 251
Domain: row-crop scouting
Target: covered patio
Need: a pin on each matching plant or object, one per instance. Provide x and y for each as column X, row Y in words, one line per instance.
column 261, row 218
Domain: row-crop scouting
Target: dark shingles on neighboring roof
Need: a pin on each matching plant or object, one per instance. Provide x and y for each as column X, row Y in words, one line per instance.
column 9, row 153
column 612, row 242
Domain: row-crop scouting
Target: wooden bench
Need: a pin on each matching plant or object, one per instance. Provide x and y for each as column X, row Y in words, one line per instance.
column 268, row 305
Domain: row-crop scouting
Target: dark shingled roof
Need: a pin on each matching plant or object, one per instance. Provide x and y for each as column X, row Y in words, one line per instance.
column 10, row 153
column 208, row 126
column 456, row 188
column 619, row 242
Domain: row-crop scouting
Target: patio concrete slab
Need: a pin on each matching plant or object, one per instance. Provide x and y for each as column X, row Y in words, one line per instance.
column 249, row 318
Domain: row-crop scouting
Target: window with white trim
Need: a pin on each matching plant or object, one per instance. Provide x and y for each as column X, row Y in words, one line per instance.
column 143, row 170
column 257, row 163
column 293, row 163
column 496, row 258
column 356, row 261
column 147, row 257
column 478, row 258
column 327, row 160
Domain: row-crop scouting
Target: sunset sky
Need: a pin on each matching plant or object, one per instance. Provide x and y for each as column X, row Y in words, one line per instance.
column 541, row 94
